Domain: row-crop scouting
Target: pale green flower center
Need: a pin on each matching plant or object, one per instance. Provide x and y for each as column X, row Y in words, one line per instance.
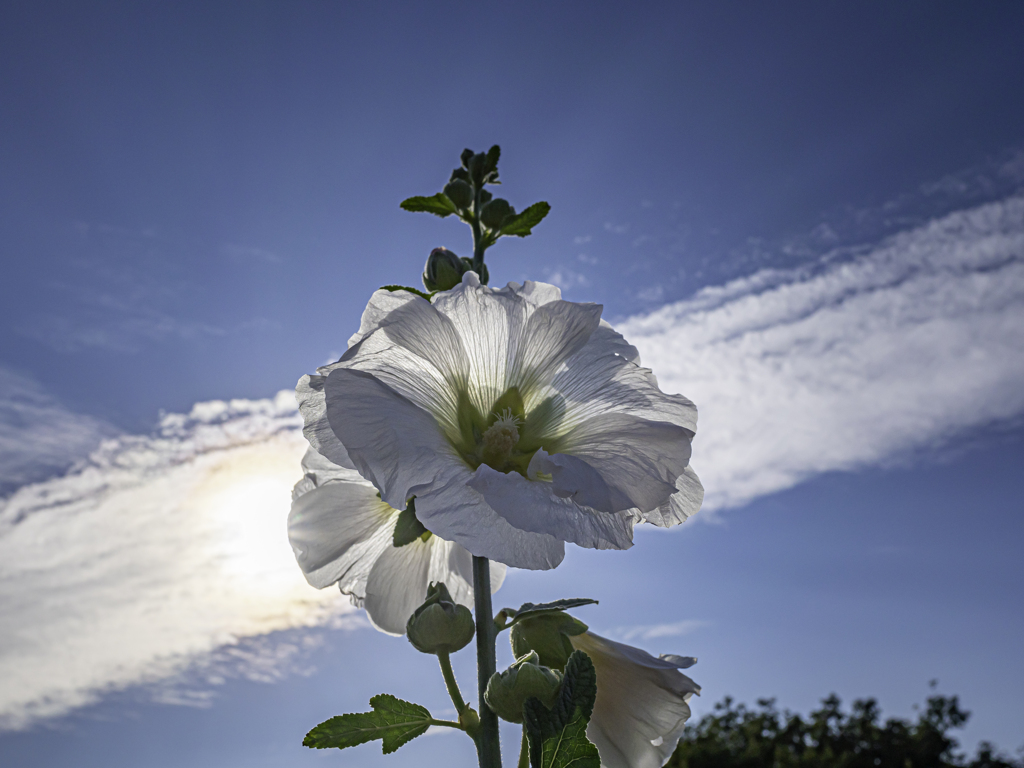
column 508, row 436
column 500, row 439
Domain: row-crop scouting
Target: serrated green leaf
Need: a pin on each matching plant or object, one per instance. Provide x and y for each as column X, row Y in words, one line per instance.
column 408, row 528
column 438, row 204
column 417, row 291
column 522, row 224
column 558, row 736
column 395, row 721
column 531, row 610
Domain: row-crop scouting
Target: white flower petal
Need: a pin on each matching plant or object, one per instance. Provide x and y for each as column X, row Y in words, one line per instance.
column 641, row 705
column 394, row 444
column 336, row 531
column 532, row 506
column 453, row 565
column 512, row 341
column 684, row 502
column 380, row 304
column 638, row 460
column 313, row 406
column 605, row 376
column 456, row 512
column 415, row 351
column 397, row 585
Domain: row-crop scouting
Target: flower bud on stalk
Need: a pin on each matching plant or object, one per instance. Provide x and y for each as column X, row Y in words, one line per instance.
column 547, row 636
column 495, row 212
column 440, row 625
column 443, row 270
column 460, row 193
column 526, row 679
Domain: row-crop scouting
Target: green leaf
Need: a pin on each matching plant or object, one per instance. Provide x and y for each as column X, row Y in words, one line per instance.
column 408, row 528
column 439, row 205
column 417, row 291
column 531, row 610
column 558, row 736
column 522, row 224
column 395, row 721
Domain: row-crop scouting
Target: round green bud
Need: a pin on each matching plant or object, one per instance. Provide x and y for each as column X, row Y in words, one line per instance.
column 494, row 213
column 475, row 166
column 548, row 636
column 526, row 679
column 443, row 270
column 460, row 193
column 440, row 625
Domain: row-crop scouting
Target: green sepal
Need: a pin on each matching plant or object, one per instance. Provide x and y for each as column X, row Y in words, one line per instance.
column 395, row 721
column 508, row 616
column 558, row 736
column 438, row 204
column 408, row 528
column 522, row 224
column 417, row 291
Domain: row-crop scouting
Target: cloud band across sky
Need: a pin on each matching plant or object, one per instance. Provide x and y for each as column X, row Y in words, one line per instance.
column 161, row 549
column 851, row 361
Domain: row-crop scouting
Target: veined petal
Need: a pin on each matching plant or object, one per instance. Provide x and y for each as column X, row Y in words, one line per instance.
column 638, row 461
column 397, row 585
column 377, row 308
column 456, row 512
column 686, row 500
column 336, row 531
column 533, row 506
column 453, row 565
column 415, row 351
column 394, row 444
column 641, row 706
column 605, row 376
column 510, row 340
column 317, row 430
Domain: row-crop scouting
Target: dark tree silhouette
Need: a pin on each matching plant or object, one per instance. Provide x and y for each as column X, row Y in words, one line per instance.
column 734, row 736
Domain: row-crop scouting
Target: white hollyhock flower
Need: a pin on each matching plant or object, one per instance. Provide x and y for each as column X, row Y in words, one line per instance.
column 518, row 421
column 342, row 533
column 641, row 705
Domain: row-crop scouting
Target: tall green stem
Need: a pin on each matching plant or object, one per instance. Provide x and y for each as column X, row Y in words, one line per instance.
column 487, row 744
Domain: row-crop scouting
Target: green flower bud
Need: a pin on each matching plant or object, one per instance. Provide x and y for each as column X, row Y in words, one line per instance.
column 440, row 625
column 475, row 166
column 507, row 691
column 460, row 193
column 443, row 270
column 494, row 213
column 465, row 157
column 483, row 274
column 548, row 636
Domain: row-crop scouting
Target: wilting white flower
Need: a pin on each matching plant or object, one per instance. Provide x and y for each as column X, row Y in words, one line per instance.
column 518, row 421
column 342, row 533
column 641, row 705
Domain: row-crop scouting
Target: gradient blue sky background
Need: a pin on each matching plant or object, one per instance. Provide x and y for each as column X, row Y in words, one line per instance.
column 809, row 217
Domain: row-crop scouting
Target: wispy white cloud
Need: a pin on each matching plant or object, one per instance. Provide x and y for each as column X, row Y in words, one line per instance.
column 159, row 551
column 852, row 360
column 247, row 253
column 38, row 436
column 645, row 632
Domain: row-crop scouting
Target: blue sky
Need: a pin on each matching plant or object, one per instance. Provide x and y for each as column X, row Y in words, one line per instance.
column 807, row 216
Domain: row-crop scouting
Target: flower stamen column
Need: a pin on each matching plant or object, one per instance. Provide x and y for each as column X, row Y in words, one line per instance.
column 488, row 745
